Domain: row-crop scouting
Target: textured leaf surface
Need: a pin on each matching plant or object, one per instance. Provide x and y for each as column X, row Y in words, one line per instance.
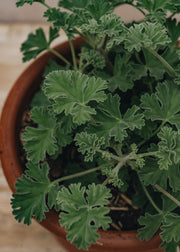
column 151, row 224
column 112, row 124
column 146, row 35
column 83, row 215
column 31, row 191
column 169, row 147
column 171, row 228
column 88, row 144
column 40, row 140
column 163, row 105
column 36, row 43
column 72, row 92
column 151, row 174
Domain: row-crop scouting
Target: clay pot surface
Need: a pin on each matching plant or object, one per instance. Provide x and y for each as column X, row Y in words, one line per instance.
column 17, row 101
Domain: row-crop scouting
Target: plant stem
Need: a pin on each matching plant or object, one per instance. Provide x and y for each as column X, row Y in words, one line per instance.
column 59, row 55
column 46, row 5
column 167, row 194
column 150, row 198
column 79, row 174
column 163, row 61
column 73, row 56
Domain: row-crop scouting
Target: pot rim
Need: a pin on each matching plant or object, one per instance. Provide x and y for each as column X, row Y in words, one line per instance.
column 12, row 167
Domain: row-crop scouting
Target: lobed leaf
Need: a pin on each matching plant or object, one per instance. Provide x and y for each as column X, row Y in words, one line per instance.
column 36, row 43
column 151, row 224
column 146, row 34
column 89, row 144
column 169, row 147
column 83, row 212
column 164, row 104
column 31, row 192
column 72, row 92
column 170, row 228
column 110, row 122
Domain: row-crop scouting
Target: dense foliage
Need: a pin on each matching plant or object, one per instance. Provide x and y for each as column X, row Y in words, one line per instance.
column 117, row 105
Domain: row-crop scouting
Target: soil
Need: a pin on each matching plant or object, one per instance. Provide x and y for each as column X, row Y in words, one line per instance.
column 122, row 212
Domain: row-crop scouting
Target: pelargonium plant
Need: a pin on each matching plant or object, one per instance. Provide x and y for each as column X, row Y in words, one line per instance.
column 107, row 122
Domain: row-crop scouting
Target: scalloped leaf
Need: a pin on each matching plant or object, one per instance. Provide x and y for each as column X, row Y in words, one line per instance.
column 110, row 122
column 146, row 34
column 31, row 193
column 72, row 92
column 169, row 147
column 84, row 212
column 88, row 144
column 164, row 104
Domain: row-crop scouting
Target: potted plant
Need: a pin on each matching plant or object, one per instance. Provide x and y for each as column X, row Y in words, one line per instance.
column 100, row 134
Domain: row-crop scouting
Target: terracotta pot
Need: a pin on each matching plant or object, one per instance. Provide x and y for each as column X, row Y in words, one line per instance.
column 18, row 99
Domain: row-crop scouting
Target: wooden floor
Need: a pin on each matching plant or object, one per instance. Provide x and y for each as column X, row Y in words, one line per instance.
column 15, row 237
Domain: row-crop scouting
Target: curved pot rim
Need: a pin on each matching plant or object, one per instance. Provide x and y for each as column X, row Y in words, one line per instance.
column 9, row 157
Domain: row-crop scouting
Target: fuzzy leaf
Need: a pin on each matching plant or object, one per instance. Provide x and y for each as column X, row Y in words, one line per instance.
column 97, row 9
column 110, row 122
column 62, row 20
column 88, row 144
column 150, row 174
column 83, row 213
column 36, row 43
column 91, row 57
column 31, row 192
column 173, row 28
column 170, row 228
column 146, row 35
column 72, row 92
column 40, row 140
column 151, row 224
column 109, row 25
column 70, row 4
column 169, row 147
column 164, row 104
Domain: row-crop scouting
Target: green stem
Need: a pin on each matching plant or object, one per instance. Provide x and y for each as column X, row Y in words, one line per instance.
column 167, row 194
column 150, row 198
column 59, row 55
column 153, row 134
column 46, row 5
column 79, row 174
column 163, row 61
column 73, row 56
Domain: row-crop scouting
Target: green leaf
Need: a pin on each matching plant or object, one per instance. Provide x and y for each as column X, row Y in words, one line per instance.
column 173, row 28
column 72, row 92
column 125, row 73
column 31, row 192
column 91, row 57
column 83, row 213
column 62, row 20
column 53, row 66
column 89, row 144
column 22, row 2
column 171, row 228
column 99, row 8
column 71, row 4
column 169, row 147
column 169, row 247
column 110, row 122
column 36, row 43
column 109, row 25
column 146, row 34
column 164, row 104
column 40, row 140
column 150, row 174
column 151, row 224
